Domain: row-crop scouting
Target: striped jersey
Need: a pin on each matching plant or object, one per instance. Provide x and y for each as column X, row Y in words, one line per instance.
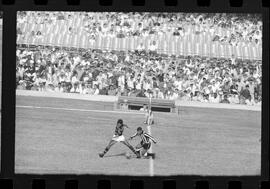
column 145, row 137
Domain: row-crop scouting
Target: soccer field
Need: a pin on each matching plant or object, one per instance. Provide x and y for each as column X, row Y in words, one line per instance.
column 55, row 135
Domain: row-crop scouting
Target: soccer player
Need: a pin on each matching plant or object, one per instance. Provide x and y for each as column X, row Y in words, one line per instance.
column 119, row 137
column 145, row 143
column 149, row 117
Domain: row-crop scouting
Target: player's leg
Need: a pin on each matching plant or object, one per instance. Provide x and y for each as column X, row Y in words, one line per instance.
column 131, row 148
column 138, row 147
column 150, row 121
column 146, row 120
column 145, row 149
column 111, row 143
column 143, row 152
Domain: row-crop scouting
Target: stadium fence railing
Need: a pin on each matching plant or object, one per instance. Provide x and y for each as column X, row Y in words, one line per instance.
column 114, row 99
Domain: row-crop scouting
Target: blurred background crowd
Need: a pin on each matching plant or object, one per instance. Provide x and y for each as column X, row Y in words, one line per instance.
column 225, row 28
column 144, row 72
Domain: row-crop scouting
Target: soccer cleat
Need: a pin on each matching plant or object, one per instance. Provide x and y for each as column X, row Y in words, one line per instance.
column 138, row 155
column 153, row 155
column 101, row 155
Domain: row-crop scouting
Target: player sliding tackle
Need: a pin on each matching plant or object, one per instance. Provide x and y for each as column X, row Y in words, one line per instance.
column 145, row 143
column 119, row 137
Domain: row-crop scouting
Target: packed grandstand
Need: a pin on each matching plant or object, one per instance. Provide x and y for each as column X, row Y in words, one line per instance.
column 200, row 57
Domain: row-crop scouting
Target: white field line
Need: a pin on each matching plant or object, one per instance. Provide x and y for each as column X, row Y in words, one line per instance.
column 151, row 161
column 80, row 110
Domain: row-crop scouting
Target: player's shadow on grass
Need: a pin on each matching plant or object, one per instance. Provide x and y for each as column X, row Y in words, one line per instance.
column 115, row 155
column 124, row 154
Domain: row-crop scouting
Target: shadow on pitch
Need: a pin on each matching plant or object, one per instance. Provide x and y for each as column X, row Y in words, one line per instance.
column 124, row 154
column 115, row 155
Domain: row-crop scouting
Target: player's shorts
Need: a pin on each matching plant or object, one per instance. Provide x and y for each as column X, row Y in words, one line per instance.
column 146, row 146
column 118, row 138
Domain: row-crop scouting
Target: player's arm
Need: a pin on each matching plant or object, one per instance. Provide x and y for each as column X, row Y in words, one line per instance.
column 130, row 138
column 125, row 125
column 150, row 137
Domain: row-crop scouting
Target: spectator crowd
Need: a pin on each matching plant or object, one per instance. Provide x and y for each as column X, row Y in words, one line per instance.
column 230, row 29
column 139, row 73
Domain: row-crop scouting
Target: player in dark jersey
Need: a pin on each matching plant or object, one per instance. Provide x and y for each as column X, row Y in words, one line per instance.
column 145, row 143
column 119, row 137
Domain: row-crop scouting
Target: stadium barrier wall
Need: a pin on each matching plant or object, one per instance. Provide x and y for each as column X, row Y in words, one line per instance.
column 180, row 103
column 114, row 99
column 100, row 98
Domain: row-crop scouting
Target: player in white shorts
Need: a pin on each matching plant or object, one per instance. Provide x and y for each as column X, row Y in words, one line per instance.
column 119, row 137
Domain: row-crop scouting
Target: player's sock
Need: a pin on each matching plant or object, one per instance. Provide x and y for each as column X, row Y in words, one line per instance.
column 105, row 151
column 136, row 152
column 132, row 149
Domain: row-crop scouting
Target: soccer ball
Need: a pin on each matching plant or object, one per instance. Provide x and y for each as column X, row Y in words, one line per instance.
column 128, row 156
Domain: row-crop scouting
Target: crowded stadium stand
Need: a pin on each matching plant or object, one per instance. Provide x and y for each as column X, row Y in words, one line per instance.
column 213, row 58
column 214, row 35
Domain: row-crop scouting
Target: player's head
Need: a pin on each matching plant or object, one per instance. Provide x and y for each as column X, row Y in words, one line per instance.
column 119, row 122
column 139, row 130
